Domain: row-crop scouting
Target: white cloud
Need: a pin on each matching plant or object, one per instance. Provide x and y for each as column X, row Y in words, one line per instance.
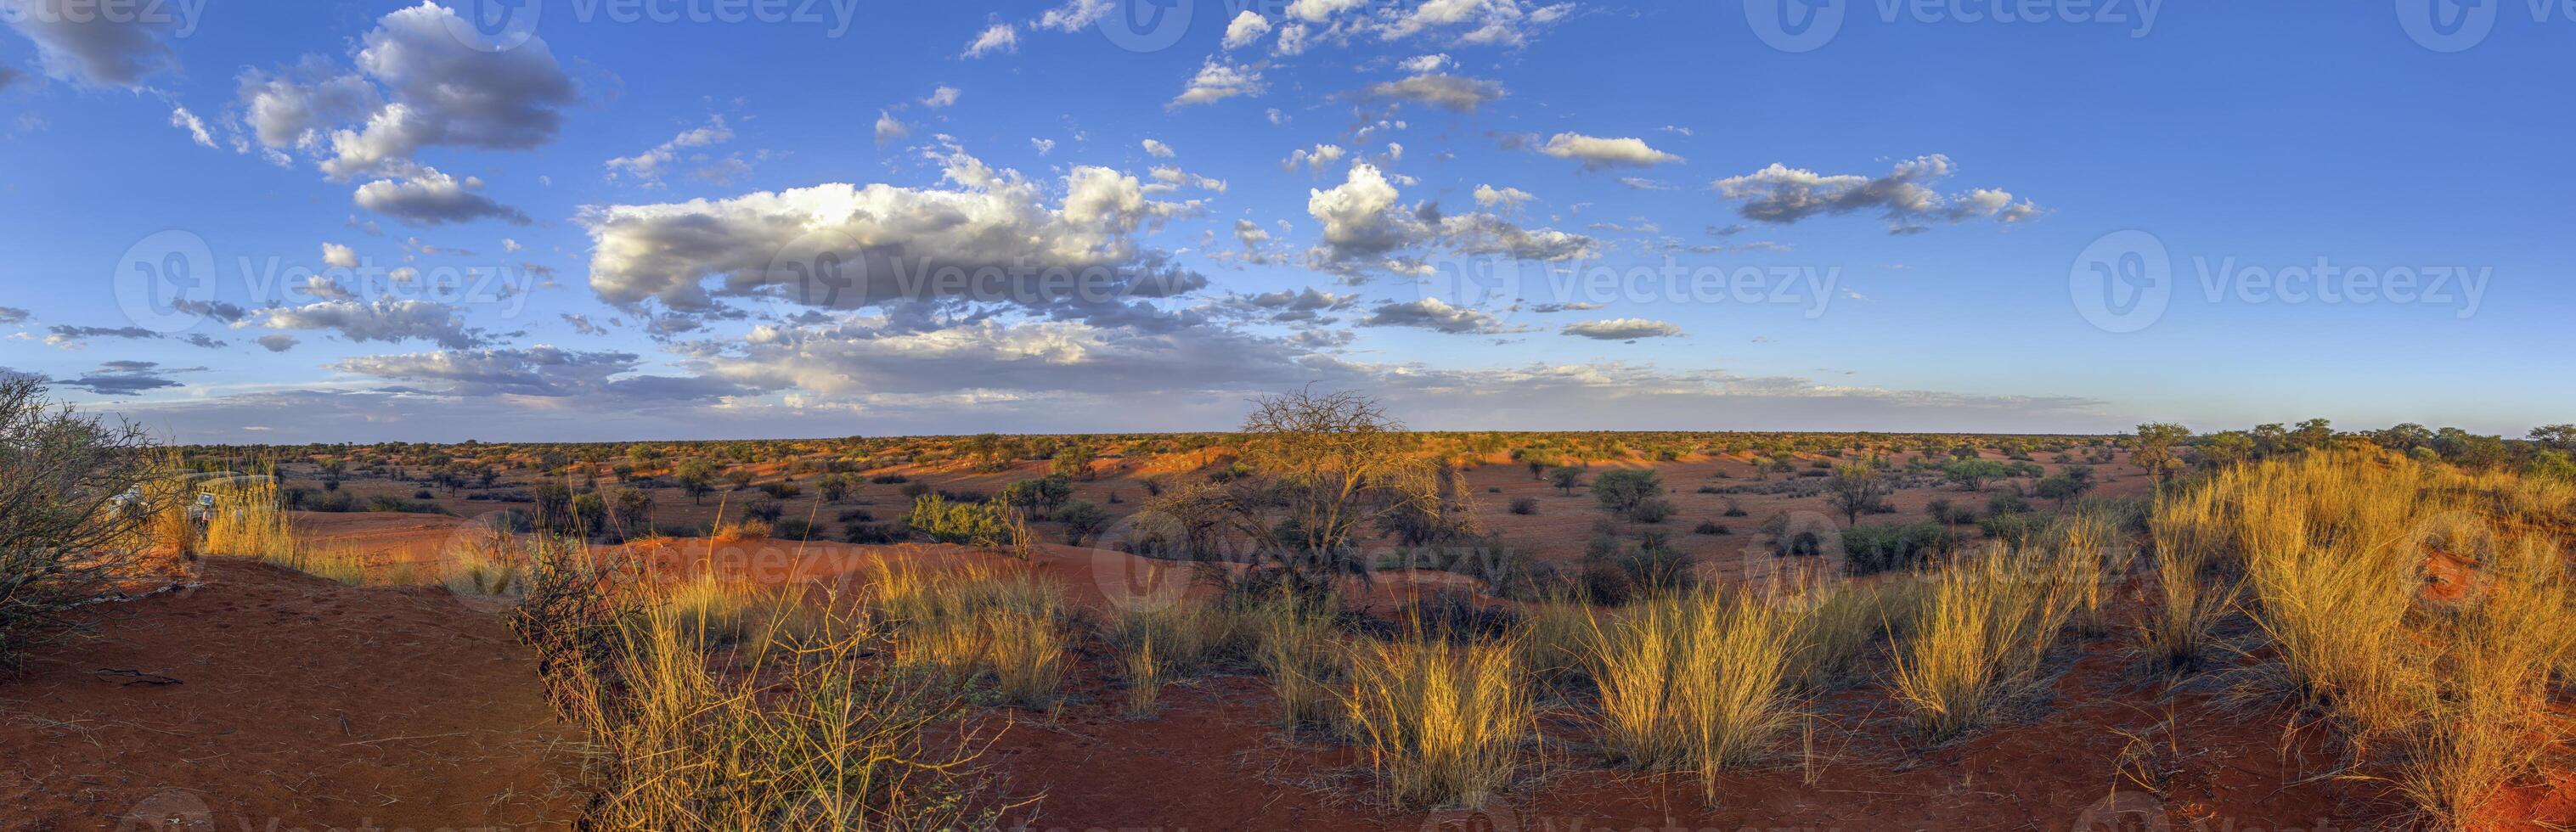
column 876, row 242
column 429, row 197
column 999, row 37
column 1159, row 150
column 1246, row 30
column 1490, row 197
column 196, row 127
column 383, row 320
column 1450, row 92
column 1043, row 146
column 339, row 256
column 944, row 96
column 890, row 129
column 1596, row 153
column 1318, row 160
column 1218, row 81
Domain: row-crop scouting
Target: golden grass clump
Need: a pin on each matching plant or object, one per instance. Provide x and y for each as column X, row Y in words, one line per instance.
column 975, row 620
column 248, row 520
column 2427, row 610
column 1442, row 723
column 1698, row 682
column 1980, row 638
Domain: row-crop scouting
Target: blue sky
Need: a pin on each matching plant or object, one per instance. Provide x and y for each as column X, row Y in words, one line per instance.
column 1943, row 188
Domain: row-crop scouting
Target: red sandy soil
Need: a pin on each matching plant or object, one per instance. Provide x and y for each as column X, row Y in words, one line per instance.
column 323, row 704
column 265, row 696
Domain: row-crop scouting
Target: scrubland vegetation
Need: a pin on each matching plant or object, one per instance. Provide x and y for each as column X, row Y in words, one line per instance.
column 2408, row 590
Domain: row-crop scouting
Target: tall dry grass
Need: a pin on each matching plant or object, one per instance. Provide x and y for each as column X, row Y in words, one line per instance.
column 1981, row 636
column 1698, row 682
column 1297, row 646
column 1443, row 724
column 1159, row 643
column 691, row 735
column 978, row 621
column 2450, row 689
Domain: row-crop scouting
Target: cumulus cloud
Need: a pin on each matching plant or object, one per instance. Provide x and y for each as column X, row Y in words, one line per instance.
column 1489, row 197
column 1323, row 157
column 1246, row 30
column 1597, row 153
column 277, row 342
column 991, row 236
column 944, row 96
column 77, row 42
column 338, row 256
column 381, row 320
column 1622, row 329
column 1460, row 22
column 1904, row 197
column 1217, row 81
column 415, row 85
column 1575, row 306
column 14, row 315
column 429, row 197
column 1365, row 219
column 1446, row 91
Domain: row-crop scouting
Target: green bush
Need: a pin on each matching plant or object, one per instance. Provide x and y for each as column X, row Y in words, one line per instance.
column 1873, row 549
column 953, row 521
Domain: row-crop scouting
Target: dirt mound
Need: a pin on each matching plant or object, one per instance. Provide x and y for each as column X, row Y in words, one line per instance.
column 267, row 699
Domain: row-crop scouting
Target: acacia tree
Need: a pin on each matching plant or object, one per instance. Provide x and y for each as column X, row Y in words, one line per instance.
column 1323, row 452
column 67, row 524
column 1855, row 489
column 2155, row 452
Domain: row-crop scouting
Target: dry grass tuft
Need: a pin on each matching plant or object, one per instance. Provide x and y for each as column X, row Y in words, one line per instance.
column 1698, row 682
column 1442, row 723
column 1980, row 638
